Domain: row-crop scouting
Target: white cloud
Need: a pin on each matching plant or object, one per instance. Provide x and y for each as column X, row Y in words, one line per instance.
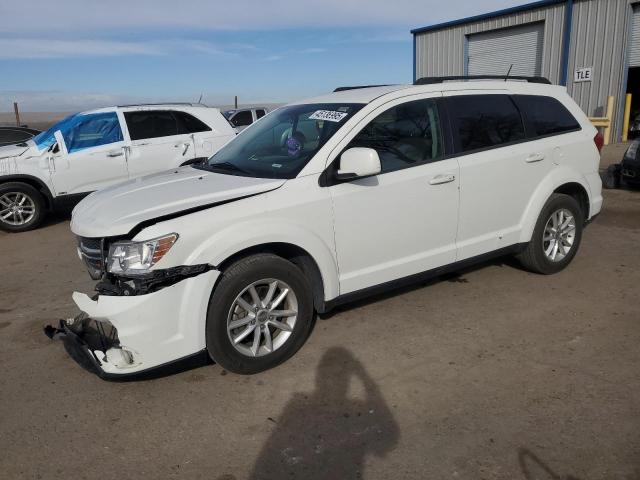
column 30, row 48
column 72, row 16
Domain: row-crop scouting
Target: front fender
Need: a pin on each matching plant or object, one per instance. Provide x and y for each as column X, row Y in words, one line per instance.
column 554, row 179
column 241, row 236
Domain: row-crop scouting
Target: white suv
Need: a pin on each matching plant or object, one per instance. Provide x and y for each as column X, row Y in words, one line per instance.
column 322, row 202
column 92, row 150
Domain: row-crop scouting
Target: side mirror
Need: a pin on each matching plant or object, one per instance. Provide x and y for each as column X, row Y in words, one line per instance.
column 60, row 142
column 357, row 163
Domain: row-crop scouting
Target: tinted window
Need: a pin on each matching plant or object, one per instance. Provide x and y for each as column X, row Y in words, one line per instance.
column 260, row 113
column 546, row 115
column 92, row 130
column 151, row 124
column 404, row 135
column 242, row 119
column 14, row 136
column 484, row 121
column 189, row 124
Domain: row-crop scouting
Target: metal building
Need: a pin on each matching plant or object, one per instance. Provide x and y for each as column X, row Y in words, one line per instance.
column 591, row 46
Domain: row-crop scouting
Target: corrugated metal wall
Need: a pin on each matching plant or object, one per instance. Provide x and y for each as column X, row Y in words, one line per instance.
column 599, row 36
column 441, row 52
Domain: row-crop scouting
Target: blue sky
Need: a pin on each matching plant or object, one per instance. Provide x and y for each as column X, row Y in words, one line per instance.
column 77, row 54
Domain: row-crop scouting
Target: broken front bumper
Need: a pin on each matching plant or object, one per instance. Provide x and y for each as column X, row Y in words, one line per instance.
column 123, row 335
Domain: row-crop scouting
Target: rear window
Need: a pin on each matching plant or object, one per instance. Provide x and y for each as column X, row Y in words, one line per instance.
column 546, row 115
column 484, row 121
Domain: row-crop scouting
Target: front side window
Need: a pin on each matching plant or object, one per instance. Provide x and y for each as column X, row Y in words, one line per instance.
column 484, row 121
column 242, row 119
column 151, row 124
column 281, row 144
column 260, row 113
column 546, row 115
column 92, row 130
column 405, row 135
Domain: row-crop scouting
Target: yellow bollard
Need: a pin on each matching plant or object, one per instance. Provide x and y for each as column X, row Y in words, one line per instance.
column 627, row 114
column 607, row 129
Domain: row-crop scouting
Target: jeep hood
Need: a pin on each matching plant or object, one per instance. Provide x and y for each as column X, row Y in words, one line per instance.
column 119, row 209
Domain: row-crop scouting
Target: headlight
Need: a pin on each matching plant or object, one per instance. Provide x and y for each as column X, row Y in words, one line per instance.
column 135, row 258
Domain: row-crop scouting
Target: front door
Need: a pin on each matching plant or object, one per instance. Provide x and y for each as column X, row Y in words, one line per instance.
column 404, row 220
column 156, row 142
column 90, row 154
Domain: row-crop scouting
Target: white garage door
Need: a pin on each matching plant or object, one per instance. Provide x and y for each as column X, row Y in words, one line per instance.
column 492, row 53
column 634, row 50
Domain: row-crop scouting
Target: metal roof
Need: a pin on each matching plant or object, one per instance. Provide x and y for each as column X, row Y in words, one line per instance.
column 484, row 16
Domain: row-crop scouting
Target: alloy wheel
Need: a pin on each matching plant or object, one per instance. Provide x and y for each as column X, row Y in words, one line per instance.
column 16, row 208
column 559, row 235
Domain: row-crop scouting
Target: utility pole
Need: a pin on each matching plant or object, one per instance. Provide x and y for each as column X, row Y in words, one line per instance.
column 17, row 112
column 236, row 102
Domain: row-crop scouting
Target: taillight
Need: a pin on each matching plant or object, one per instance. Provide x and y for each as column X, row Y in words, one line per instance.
column 599, row 141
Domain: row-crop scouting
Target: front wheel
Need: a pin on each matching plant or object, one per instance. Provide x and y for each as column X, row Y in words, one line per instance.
column 556, row 236
column 260, row 314
column 21, row 207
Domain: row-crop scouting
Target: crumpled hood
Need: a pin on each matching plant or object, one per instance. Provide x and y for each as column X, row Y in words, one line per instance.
column 117, row 210
column 12, row 150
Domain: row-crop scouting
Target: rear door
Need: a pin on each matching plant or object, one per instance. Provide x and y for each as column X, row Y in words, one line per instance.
column 157, row 142
column 499, row 169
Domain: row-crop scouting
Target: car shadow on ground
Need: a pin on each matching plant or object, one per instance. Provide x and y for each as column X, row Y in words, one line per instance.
column 535, row 469
column 328, row 433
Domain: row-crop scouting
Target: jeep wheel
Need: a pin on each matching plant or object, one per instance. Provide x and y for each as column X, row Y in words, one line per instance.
column 21, row 207
column 556, row 236
column 260, row 314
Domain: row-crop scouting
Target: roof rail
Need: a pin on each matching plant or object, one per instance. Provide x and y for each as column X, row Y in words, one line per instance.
column 184, row 104
column 431, row 80
column 356, row 87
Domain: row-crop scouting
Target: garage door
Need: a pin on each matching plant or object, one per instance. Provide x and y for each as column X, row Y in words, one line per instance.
column 492, row 53
column 634, row 50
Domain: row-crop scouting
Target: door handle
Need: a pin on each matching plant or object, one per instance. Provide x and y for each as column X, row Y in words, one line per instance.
column 115, row 153
column 535, row 157
column 440, row 179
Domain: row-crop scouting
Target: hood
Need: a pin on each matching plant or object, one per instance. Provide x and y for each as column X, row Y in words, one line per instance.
column 13, row 150
column 117, row 210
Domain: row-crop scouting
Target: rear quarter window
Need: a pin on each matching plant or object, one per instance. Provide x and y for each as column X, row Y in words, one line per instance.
column 546, row 115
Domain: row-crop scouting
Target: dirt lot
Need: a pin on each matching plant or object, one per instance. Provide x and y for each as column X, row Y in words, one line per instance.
column 492, row 374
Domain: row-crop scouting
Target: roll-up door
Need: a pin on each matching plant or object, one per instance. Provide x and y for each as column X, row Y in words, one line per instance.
column 634, row 50
column 492, row 53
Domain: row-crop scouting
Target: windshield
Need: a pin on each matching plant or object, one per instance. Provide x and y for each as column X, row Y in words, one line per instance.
column 283, row 142
column 45, row 139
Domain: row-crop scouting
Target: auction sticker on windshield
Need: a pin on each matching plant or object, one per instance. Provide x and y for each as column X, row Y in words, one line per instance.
column 329, row 115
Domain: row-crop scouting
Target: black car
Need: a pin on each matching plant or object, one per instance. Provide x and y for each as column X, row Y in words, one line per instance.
column 630, row 165
column 13, row 135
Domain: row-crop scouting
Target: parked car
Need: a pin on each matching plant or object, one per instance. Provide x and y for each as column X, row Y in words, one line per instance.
column 91, row 150
column 629, row 169
column 322, row 202
column 634, row 128
column 14, row 135
column 243, row 117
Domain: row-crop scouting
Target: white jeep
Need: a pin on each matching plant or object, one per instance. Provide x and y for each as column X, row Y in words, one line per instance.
column 92, row 150
column 322, row 202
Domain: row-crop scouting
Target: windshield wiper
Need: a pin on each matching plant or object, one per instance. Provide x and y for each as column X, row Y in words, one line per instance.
column 226, row 166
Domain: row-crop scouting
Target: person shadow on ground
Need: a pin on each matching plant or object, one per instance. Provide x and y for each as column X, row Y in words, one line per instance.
column 328, row 434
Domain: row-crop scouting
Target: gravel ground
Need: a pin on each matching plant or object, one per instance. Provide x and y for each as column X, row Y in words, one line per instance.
column 494, row 373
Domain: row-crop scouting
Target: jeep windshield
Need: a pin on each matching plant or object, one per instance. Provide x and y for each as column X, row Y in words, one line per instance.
column 281, row 143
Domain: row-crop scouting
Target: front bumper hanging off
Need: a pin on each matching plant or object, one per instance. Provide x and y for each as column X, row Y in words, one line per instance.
column 118, row 337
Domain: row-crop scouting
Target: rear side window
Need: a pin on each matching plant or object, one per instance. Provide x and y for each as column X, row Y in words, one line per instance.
column 260, row 113
column 405, row 135
column 151, row 124
column 189, row 124
column 484, row 121
column 546, row 115
column 242, row 119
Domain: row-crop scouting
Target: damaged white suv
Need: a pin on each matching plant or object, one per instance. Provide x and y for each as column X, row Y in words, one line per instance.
column 91, row 150
column 322, row 202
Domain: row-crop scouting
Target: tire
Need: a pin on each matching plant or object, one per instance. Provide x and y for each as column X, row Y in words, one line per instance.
column 25, row 197
column 260, row 270
column 611, row 177
column 534, row 258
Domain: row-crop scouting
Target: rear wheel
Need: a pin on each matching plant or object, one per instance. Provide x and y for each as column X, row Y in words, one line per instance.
column 556, row 236
column 260, row 314
column 21, row 207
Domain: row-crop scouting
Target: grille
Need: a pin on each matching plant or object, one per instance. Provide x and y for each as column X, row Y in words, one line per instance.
column 91, row 252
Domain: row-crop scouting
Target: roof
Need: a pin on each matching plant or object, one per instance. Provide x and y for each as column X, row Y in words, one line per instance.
column 360, row 95
column 485, row 16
